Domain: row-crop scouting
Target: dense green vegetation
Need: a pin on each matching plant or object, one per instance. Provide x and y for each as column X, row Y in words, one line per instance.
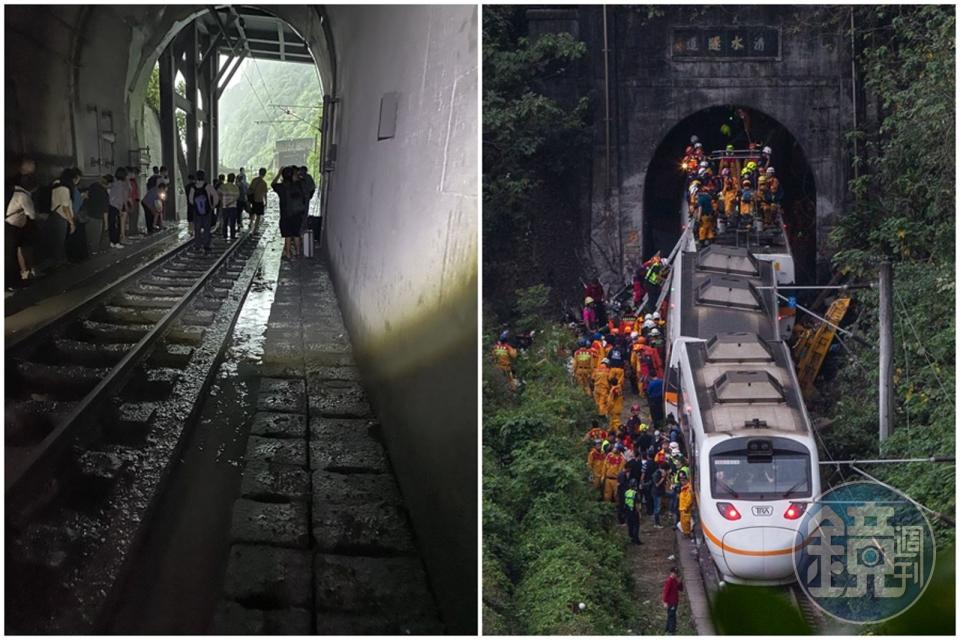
column 533, row 158
column 547, row 542
column 904, row 211
column 255, row 87
column 243, row 142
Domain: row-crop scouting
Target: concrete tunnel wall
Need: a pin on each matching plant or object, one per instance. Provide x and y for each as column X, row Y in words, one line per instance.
column 402, row 213
column 402, row 241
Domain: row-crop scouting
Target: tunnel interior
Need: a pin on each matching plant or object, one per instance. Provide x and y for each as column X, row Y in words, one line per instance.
column 717, row 127
column 76, row 99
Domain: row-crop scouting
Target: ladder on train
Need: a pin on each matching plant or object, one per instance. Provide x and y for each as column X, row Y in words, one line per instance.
column 812, row 346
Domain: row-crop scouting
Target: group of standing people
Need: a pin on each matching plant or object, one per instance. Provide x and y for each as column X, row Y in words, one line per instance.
column 640, row 468
column 221, row 204
column 55, row 216
column 738, row 188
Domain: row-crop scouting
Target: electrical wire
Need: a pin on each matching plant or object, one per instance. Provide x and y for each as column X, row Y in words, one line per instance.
column 923, row 349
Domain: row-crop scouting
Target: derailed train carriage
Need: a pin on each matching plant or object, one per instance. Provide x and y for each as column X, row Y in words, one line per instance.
column 732, row 386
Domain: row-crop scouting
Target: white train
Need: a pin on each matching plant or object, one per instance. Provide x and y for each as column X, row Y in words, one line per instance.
column 732, row 386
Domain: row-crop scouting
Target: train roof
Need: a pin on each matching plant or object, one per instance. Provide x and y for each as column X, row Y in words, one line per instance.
column 770, row 240
column 720, row 294
column 744, row 381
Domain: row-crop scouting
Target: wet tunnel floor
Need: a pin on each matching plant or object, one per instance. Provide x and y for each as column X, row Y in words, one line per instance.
column 289, row 530
column 176, row 582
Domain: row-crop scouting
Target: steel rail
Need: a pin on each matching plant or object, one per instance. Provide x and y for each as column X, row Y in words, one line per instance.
column 24, row 339
column 19, row 472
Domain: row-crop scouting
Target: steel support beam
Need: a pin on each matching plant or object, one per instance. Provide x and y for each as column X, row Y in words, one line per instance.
column 169, row 141
column 190, row 76
column 239, row 60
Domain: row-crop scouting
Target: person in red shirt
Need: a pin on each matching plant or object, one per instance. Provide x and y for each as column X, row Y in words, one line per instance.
column 671, row 599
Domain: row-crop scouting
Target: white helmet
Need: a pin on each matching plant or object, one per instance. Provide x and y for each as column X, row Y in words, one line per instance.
column 694, row 139
column 767, row 150
column 654, row 331
column 702, row 172
column 770, row 170
column 698, row 146
column 648, row 317
column 656, row 315
column 704, row 164
column 648, row 324
column 665, row 262
column 694, row 187
column 633, row 335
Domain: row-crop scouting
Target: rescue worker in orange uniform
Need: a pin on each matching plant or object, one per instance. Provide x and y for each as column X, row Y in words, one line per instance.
column 764, row 206
column 601, row 386
column 685, row 504
column 614, row 404
column 595, row 434
column 597, row 350
column 612, row 466
column 635, row 365
column 775, row 195
column 583, row 366
column 595, row 461
column 729, row 194
column 707, row 227
column 504, row 354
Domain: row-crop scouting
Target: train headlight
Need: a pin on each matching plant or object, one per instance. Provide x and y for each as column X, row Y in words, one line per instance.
column 728, row 511
column 795, row 510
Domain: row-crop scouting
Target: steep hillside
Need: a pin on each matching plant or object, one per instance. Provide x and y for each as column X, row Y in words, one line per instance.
column 243, row 142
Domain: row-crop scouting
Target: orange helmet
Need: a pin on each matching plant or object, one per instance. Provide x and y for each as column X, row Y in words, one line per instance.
column 615, row 330
column 641, row 340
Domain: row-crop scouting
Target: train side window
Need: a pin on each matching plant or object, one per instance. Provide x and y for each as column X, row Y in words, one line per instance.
column 673, row 381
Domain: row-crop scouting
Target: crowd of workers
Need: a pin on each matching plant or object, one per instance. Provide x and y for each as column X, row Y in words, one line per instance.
column 51, row 220
column 731, row 189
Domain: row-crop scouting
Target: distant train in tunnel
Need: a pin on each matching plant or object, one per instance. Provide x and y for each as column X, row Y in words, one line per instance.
column 732, row 386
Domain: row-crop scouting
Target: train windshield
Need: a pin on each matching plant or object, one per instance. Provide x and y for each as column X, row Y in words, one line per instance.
column 785, row 475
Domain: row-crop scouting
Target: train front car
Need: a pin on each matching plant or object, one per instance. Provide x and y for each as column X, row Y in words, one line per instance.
column 757, row 467
column 732, row 385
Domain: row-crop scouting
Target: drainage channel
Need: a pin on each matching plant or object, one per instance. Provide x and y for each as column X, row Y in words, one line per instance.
column 70, row 551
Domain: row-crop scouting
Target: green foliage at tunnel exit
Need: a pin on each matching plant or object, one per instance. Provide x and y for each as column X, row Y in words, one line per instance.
column 547, row 542
column 904, row 211
column 244, row 142
column 534, row 156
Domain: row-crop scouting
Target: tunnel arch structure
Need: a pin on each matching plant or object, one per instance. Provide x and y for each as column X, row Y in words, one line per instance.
column 664, row 183
column 641, row 70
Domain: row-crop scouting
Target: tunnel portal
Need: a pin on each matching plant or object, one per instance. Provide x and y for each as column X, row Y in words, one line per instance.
column 717, row 127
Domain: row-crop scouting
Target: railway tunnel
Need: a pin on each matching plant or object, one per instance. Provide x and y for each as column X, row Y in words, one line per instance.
column 365, row 378
column 717, row 127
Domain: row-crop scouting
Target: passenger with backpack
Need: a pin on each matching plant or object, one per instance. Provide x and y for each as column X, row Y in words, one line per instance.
column 19, row 214
column 203, row 197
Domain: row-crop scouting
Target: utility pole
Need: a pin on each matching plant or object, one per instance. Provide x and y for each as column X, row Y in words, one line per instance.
column 886, row 350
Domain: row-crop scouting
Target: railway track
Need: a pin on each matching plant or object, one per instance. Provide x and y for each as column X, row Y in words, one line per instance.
column 96, row 406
